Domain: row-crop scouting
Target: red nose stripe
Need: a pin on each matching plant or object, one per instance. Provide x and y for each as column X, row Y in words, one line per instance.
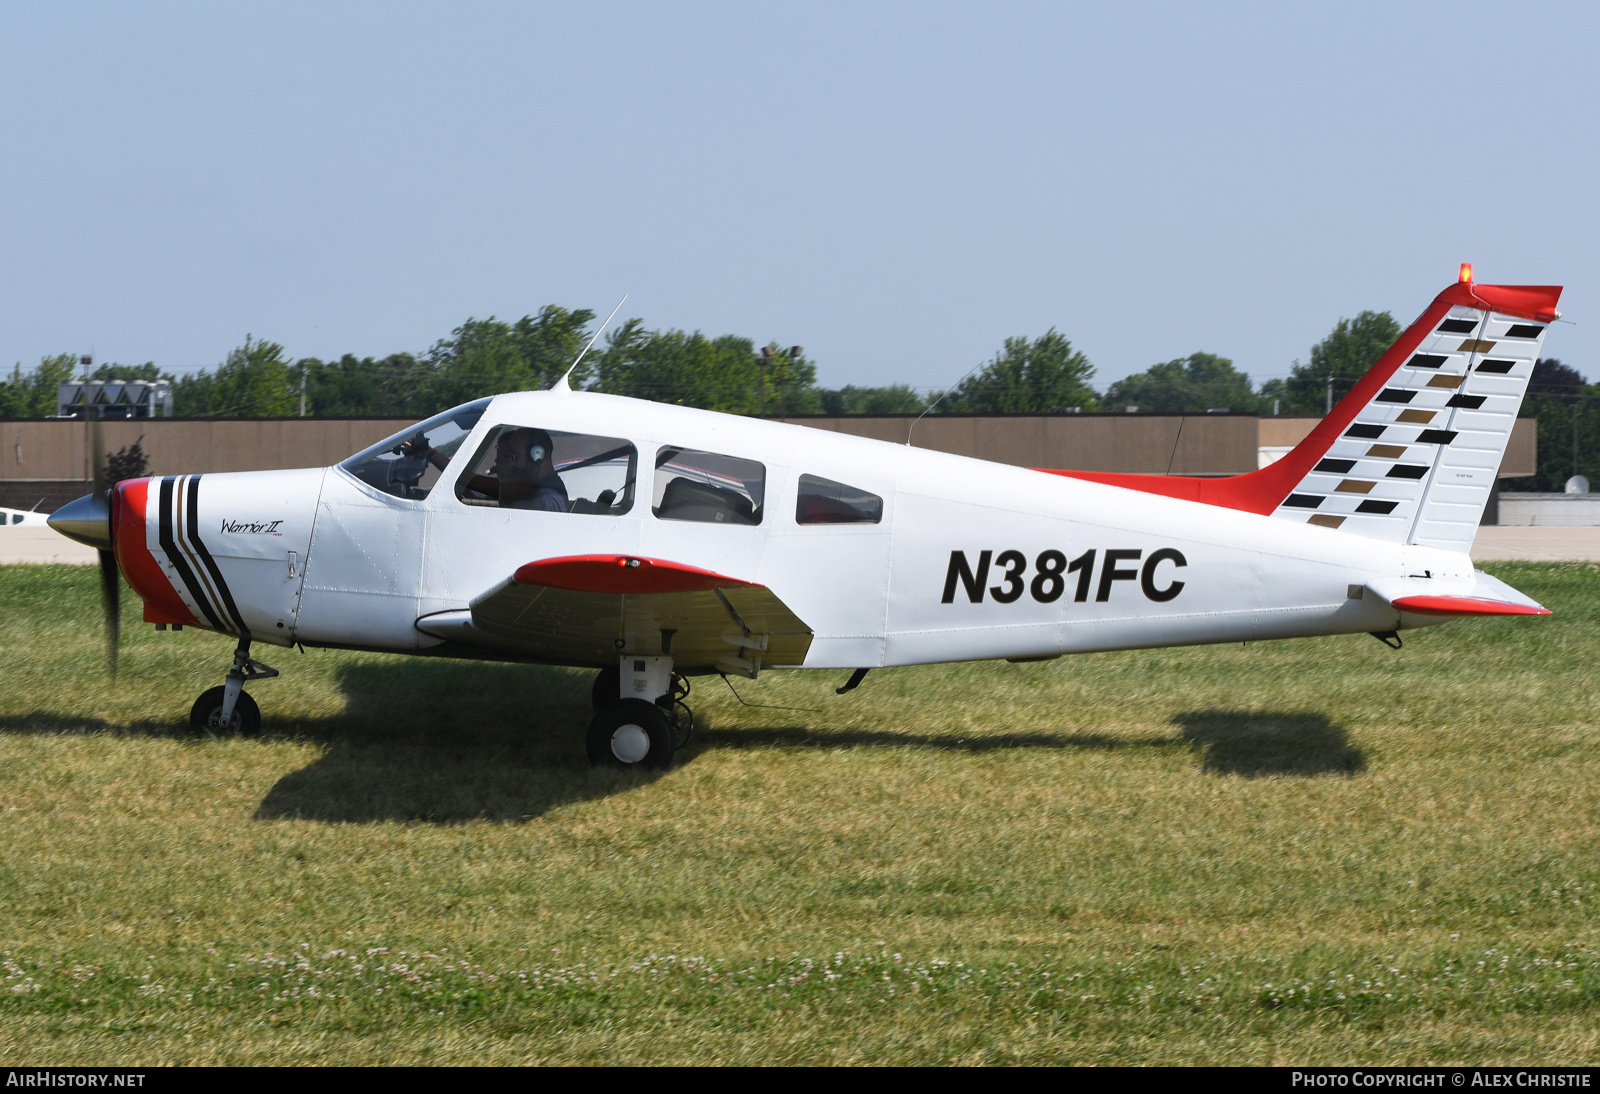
column 161, row 601
column 622, row 574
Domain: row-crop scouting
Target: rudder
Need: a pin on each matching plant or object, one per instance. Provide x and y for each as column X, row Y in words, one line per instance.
column 1415, row 460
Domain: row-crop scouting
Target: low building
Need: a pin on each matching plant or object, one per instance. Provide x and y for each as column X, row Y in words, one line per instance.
column 45, row 462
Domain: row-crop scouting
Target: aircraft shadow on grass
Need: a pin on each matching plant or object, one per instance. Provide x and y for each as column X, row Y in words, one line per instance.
column 451, row 742
column 1250, row 744
column 1257, row 743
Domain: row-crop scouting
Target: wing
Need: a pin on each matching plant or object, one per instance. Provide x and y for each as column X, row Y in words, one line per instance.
column 590, row 609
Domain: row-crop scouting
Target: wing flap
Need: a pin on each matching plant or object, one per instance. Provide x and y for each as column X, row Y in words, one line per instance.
column 588, row 610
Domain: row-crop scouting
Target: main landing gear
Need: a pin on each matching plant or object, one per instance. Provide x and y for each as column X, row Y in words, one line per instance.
column 640, row 717
column 227, row 709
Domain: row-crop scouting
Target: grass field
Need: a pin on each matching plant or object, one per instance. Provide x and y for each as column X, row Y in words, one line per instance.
column 1314, row 852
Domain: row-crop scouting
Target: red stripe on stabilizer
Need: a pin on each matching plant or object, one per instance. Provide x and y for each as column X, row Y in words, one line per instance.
column 622, row 574
column 1264, row 490
column 1524, row 301
column 1463, row 605
column 162, row 604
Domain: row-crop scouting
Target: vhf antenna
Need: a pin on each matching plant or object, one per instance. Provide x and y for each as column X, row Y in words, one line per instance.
column 561, row 384
column 939, row 400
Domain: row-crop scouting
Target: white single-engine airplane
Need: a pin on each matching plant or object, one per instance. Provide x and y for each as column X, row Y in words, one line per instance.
column 28, row 518
column 653, row 542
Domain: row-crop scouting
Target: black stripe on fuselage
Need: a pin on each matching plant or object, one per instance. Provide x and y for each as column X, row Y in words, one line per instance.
column 199, row 546
column 169, row 544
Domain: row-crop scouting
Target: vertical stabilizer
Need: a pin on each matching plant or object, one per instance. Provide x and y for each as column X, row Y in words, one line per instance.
column 1416, row 456
column 1410, row 455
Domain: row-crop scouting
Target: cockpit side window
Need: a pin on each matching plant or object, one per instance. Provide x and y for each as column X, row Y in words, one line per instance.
column 823, row 501
column 408, row 464
column 707, row 486
column 527, row 467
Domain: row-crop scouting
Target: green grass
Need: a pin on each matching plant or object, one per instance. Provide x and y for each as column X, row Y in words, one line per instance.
column 1317, row 852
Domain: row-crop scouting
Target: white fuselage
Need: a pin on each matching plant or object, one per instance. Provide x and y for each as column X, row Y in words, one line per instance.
column 969, row 561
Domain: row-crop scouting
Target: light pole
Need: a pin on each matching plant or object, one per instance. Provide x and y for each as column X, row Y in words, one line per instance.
column 766, row 359
column 88, row 459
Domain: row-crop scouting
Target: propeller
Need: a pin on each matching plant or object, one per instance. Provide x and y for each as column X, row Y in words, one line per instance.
column 110, row 578
column 88, row 520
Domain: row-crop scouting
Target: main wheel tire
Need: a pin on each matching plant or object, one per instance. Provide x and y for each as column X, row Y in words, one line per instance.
column 630, row 733
column 205, row 717
column 607, row 687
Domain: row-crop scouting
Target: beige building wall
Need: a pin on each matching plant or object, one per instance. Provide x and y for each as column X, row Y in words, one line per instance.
column 1198, row 444
column 1201, row 444
column 53, row 450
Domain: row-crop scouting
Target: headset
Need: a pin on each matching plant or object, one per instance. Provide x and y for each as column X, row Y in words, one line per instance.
column 537, row 450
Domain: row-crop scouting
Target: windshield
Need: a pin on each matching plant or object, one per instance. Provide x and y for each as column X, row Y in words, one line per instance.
column 408, row 463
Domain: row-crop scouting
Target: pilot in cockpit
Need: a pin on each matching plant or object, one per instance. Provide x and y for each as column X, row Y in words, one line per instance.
column 523, row 475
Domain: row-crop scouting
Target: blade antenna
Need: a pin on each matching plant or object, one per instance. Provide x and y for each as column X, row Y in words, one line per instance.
column 561, row 384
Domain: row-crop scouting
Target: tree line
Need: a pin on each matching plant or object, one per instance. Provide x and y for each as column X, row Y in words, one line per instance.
column 729, row 373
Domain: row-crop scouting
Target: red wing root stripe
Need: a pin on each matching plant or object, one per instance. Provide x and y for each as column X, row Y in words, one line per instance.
column 198, row 545
column 169, row 544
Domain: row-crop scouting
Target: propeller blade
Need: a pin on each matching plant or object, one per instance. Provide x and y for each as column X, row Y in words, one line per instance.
column 111, row 596
column 110, row 577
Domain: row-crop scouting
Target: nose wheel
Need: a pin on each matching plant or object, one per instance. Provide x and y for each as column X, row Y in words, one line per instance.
column 205, row 717
column 227, row 710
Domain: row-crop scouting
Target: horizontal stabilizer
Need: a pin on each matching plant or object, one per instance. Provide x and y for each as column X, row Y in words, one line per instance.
column 1482, row 595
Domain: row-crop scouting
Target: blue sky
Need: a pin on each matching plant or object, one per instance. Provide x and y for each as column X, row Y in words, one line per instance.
column 898, row 187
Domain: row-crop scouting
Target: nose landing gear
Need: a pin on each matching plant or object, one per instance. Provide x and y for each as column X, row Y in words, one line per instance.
column 228, row 709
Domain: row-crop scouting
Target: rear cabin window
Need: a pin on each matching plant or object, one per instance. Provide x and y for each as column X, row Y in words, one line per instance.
column 526, row 467
column 823, row 501
column 708, row 487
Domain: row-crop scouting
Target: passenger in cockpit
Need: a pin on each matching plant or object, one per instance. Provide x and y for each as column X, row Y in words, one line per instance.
column 524, row 459
column 524, row 472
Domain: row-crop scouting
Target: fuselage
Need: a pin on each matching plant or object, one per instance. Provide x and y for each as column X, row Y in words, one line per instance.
column 966, row 560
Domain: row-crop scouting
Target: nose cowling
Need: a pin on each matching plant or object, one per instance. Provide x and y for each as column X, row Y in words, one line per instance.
column 87, row 520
